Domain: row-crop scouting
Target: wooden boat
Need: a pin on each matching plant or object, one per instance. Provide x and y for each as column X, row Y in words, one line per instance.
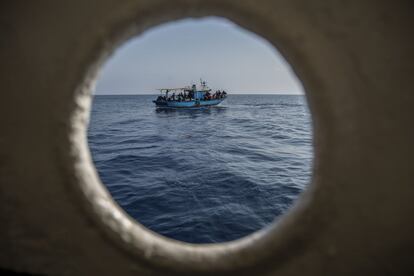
column 189, row 97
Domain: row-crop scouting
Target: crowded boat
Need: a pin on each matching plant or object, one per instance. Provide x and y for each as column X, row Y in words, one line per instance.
column 190, row 96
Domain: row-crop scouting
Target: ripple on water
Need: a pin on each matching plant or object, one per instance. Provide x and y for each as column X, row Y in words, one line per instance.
column 202, row 176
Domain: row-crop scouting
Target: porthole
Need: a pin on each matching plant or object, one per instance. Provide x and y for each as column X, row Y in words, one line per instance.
column 155, row 249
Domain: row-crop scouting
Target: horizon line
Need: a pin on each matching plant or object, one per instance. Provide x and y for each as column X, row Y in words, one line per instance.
column 148, row 94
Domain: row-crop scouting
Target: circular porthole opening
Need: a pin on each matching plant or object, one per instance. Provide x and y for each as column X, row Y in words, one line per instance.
column 194, row 173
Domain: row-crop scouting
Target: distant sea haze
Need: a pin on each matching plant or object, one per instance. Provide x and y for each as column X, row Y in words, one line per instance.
column 203, row 175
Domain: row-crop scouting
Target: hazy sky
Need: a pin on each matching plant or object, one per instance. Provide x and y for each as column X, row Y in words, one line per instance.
column 180, row 53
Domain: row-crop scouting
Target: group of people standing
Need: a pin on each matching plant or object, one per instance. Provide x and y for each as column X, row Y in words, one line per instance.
column 189, row 96
column 217, row 95
column 182, row 96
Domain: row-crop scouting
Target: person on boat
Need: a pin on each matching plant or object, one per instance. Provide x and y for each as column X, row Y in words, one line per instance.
column 217, row 94
column 207, row 96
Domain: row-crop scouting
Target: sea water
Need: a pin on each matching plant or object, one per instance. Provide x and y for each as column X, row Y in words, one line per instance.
column 203, row 175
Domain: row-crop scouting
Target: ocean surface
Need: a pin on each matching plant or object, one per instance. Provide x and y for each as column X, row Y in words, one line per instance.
column 207, row 175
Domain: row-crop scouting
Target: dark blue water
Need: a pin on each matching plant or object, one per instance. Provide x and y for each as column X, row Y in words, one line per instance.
column 203, row 176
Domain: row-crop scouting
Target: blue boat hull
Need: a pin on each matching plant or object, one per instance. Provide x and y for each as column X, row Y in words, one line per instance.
column 188, row 104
